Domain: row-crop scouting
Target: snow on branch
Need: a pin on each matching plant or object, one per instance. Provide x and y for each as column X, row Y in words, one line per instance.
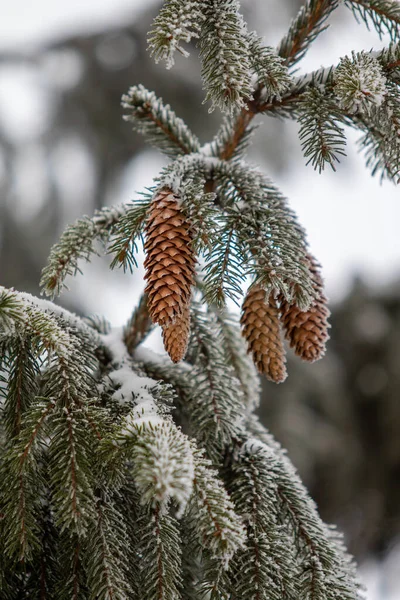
column 158, row 122
column 76, row 243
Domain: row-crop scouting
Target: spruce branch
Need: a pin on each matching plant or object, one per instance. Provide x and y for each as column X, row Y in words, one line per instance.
column 359, row 83
column 304, row 29
column 270, row 68
column 383, row 15
column 77, row 243
column 158, row 122
column 23, row 484
column 321, row 136
column 138, row 326
column 105, row 553
column 123, row 243
column 210, row 512
column 237, row 356
column 216, row 409
column 225, row 54
column 223, row 265
column 22, row 386
column 161, row 556
column 177, row 22
column 271, row 243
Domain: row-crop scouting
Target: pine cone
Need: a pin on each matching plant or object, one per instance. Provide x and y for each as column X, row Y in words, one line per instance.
column 176, row 337
column 307, row 332
column 169, row 259
column 261, row 328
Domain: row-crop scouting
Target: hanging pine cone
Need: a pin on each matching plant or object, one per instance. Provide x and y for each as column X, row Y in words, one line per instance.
column 307, row 332
column 176, row 337
column 261, row 328
column 169, row 262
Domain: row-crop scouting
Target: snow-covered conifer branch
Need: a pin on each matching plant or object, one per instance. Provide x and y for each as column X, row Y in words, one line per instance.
column 254, row 492
column 309, row 23
column 106, row 552
column 158, row 122
column 359, row 83
column 123, row 243
column 238, row 357
column 322, row 138
column 271, row 70
column 220, row 145
column 210, row 512
column 270, row 239
column 383, row 15
column 224, row 274
column 22, row 367
column 160, row 544
column 138, row 326
column 225, row 52
column 216, row 402
column 76, row 243
column 177, row 22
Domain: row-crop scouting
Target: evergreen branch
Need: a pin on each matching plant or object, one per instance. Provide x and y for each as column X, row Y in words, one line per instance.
column 326, row 570
column 322, row 138
column 158, row 450
column 384, row 15
column 231, row 141
column 359, row 83
column 129, row 228
column 23, row 483
column 210, row 512
column 163, row 466
column 178, row 21
column 72, row 579
column 389, row 59
column 225, row 54
column 22, row 387
column 216, row 405
column 139, row 325
column 105, row 554
column 304, row 29
column 76, row 243
column 161, row 556
column 71, row 476
column 381, row 138
column 254, row 493
column 237, row 356
column 156, row 121
column 272, row 243
column 223, row 266
column 271, row 70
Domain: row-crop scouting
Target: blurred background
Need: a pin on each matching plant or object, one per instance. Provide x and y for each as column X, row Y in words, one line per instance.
column 65, row 151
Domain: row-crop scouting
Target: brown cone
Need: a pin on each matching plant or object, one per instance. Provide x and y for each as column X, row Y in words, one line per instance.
column 176, row 337
column 170, row 261
column 307, row 332
column 261, row 328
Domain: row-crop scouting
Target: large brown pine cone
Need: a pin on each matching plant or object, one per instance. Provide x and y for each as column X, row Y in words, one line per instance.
column 169, row 263
column 261, row 328
column 176, row 337
column 307, row 332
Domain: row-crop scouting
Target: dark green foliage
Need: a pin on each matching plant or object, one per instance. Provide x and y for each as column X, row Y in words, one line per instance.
column 158, row 122
column 322, row 138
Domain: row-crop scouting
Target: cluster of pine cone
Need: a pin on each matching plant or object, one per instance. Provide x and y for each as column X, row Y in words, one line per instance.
column 170, row 267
